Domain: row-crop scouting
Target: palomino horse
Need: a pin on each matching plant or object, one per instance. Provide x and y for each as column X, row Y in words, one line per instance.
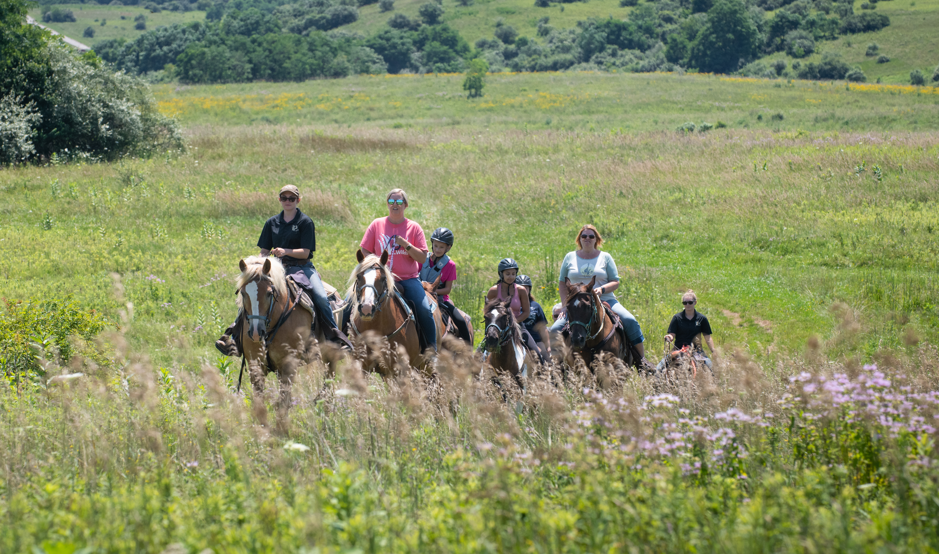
column 276, row 336
column 431, row 289
column 503, row 346
column 378, row 308
column 592, row 330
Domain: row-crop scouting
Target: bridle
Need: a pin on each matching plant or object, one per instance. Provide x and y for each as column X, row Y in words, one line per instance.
column 594, row 317
column 270, row 308
column 504, row 334
column 267, row 336
column 380, row 297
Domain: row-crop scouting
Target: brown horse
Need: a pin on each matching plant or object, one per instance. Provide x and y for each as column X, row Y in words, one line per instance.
column 503, row 347
column 276, row 336
column 378, row 308
column 431, row 289
column 592, row 330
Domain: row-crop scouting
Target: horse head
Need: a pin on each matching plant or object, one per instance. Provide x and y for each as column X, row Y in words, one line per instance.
column 261, row 285
column 371, row 284
column 582, row 311
column 500, row 324
column 431, row 287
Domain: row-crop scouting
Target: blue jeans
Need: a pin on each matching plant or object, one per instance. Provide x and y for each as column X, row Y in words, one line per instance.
column 633, row 331
column 317, row 292
column 412, row 290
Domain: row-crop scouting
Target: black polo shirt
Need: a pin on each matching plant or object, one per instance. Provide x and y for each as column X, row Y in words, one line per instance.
column 536, row 315
column 299, row 232
column 685, row 329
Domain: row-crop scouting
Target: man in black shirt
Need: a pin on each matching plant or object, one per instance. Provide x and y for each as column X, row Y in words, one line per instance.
column 685, row 327
column 291, row 237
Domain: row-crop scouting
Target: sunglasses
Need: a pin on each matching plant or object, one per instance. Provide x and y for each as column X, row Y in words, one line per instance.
column 585, row 237
column 288, row 199
column 399, row 201
column 687, row 302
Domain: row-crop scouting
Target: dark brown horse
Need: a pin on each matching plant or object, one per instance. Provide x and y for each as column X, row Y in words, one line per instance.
column 503, row 347
column 276, row 335
column 378, row 308
column 592, row 330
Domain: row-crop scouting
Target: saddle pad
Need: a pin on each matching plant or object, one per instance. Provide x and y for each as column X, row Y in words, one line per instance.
column 296, row 290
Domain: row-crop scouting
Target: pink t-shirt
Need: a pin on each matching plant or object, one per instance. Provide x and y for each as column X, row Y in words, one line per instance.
column 448, row 273
column 380, row 237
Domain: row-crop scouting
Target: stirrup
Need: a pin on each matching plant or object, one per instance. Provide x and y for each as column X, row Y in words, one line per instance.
column 226, row 345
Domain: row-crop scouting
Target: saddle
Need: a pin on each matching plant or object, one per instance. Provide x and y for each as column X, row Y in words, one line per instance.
column 300, row 288
column 411, row 309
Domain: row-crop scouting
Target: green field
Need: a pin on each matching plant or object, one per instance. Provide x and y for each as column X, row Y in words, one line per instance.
column 120, row 21
column 806, row 224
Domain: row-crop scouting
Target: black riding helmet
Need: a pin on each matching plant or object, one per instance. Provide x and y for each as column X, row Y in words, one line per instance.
column 507, row 263
column 523, row 280
column 442, row 234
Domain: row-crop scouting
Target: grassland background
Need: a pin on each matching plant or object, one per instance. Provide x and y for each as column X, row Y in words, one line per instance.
column 810, row 239
column 90, row 15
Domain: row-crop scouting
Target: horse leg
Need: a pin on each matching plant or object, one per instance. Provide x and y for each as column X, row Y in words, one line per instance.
column 285, row 375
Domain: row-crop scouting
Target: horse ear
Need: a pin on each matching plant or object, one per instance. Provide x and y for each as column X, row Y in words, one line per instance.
column 436, row 283
column 593, row 282
column 384, row 257
column 242, row 265
column 359, row 255
column 570, row 286
column 266, row 270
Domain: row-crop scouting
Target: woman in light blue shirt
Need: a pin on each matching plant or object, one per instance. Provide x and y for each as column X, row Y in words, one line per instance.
column 587, row 262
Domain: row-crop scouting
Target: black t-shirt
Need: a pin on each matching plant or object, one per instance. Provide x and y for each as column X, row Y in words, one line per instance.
column 299, row 232
column 685, row 329
column 536, row 315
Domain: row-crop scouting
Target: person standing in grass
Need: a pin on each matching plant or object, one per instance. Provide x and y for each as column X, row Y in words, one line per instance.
column 686, row 329
column 439, row 264
column 537, row 323
column 508, row 289
column 582, row 265
column 291, row 237
column 404, row 241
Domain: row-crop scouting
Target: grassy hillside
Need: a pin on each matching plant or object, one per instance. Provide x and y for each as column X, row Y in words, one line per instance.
column 479, row 20
column 91, row 15
column 910, row 42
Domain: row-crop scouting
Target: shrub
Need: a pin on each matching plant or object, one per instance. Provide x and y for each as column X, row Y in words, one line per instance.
column 832, row 66
column 152, row 7
column 868, row 6
column 17, row 127
column 89, row 32
column 402, row 22
column 779, row 66
column 778, row 116
column 883, row 58
column 856, row 76
column 866, row 22
column 431, row 13
column 872, row 50
column 465, row 3
column 140, row 25
column 506, row 33
column 628, row 3
column 935, row 75
column 720, row 125
column 542, row 3
column 386, row 5
column 799, row 44
column 58, row 15
column 705, row 127
column 917, row 77
column 688, row 127
column 104, row 22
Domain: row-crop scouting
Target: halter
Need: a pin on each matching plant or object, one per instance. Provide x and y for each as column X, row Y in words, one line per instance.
column 381, row 297
column 505, row 335
column 595, row 316
column 270, row 308
column 379, row 303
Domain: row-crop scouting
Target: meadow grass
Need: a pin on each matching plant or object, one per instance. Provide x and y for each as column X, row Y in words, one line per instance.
column 90, row 15
column 809, row 240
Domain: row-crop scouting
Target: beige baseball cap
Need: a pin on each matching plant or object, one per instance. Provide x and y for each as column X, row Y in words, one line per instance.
column 290, row 188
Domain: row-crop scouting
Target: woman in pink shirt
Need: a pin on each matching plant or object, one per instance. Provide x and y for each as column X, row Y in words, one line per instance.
column 404, row 241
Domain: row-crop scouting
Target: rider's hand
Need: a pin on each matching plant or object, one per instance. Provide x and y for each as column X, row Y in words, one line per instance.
column 598, row 291
column 401, row 241
column 669, row 338
column 279, row 252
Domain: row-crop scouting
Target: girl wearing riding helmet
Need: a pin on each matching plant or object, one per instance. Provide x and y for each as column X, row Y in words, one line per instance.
column 439, row 264
column 404, row 241
column 518, row 295
column 291, row 237
column 537, row 323
column 585, row 263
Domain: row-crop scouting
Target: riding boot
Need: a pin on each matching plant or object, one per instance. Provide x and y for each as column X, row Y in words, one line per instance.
column 338, row 337
column 229, row 343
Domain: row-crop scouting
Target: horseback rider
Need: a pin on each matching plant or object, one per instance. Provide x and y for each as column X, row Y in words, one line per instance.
column 291, row 237
column 684, row 329
column 439, row 264
column 404, row 241
column 585, row 263
column 537, row 323
column 518, row 296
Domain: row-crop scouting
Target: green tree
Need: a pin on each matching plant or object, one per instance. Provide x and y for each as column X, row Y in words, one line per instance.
column 475, row 77
column 431, row 13
column 728, row 37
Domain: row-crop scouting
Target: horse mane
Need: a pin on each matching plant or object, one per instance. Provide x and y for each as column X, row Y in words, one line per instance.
column 253, row 271
column 369, row 261
column 516, row 331
column 579, row 288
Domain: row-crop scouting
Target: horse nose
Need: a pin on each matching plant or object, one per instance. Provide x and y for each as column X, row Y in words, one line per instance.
column 365, row 309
